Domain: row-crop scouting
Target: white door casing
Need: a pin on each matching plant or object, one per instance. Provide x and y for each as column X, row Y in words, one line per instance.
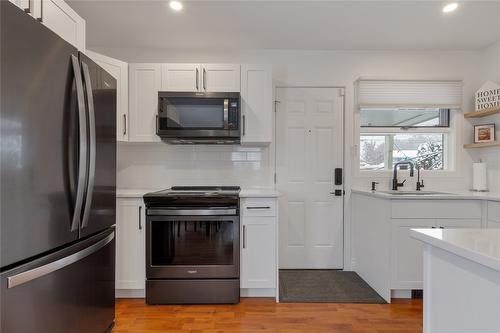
column 309, row 146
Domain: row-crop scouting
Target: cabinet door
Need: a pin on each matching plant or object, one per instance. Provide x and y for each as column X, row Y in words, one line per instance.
column 407, row 254
column 258, row 252
column 256, row 104
column 220, row 78
column 58, row 16
column 181, row 77
column 144, row 84
column 119, row 70
column 130, row 244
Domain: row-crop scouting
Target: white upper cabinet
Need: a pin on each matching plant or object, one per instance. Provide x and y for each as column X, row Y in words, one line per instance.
column 180, row 77
column 144, row 84
column 220, row 78
column 59, row 17
column 256, row 104
column 202, row 78
column 119, row 70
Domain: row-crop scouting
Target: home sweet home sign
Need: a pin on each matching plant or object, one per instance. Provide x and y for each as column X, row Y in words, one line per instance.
column 488, row 96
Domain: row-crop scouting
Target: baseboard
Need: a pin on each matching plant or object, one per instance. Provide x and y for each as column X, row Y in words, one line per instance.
column 401, row 293
column 130, row 293
column 256, row 292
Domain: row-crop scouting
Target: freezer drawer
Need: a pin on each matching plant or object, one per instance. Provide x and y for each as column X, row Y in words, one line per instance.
column 70, row 291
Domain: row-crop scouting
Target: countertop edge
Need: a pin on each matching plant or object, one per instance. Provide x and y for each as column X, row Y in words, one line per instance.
column 451, row 196
column 463, row 252
column 245, row 193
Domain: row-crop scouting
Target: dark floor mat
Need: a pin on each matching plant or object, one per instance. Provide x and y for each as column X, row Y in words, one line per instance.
column 325, row 286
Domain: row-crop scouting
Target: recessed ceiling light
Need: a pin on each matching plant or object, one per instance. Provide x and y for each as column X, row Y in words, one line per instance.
column 176, row 5
column 450, row 7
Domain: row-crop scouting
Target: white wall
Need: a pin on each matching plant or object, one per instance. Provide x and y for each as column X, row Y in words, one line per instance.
column 491, row 71
column 319, row 68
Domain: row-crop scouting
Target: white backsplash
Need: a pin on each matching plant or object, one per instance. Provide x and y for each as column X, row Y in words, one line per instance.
column 161, row 165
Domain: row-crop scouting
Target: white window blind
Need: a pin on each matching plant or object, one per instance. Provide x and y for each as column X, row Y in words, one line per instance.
column 408, row 93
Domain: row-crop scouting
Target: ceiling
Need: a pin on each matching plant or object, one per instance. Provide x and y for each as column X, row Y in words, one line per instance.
column 307, row 25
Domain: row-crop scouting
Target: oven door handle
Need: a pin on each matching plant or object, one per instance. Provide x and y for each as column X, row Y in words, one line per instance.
column 191, row 212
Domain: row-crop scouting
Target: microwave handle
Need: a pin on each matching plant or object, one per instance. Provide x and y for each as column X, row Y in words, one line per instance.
column 197, row 80
column 226, row 113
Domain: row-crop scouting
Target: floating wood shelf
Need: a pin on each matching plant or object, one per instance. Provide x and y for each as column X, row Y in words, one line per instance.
column 483, row 144
column 483, row 113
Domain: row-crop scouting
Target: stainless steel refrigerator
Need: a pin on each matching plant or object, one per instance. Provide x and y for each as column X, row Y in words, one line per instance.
column 58, row 183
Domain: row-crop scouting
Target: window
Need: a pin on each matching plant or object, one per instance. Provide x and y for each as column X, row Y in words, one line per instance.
column 382, row 151
column 407, row 121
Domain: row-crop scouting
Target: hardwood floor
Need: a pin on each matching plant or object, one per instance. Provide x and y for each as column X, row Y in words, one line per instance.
column 263, row 315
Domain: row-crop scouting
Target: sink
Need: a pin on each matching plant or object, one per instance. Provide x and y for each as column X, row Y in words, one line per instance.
column 415, row 193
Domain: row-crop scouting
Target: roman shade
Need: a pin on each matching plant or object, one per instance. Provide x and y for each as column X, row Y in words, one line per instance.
column 409, row 93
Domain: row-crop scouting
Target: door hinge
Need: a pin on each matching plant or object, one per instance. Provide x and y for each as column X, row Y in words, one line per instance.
column 275, row 178
column 276, row 105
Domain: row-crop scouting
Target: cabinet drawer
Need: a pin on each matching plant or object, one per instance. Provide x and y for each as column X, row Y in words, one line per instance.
column 258, row 207
column 458, row 223
column 494, row 211
column 436, row 209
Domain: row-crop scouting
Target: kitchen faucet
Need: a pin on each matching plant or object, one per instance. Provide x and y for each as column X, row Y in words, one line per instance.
column 395, row 183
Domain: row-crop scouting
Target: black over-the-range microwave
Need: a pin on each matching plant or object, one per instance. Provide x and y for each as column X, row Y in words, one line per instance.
column 199, row 117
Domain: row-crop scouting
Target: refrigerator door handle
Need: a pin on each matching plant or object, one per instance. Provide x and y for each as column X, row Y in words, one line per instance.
column 35, row 273
column 92, row 146
column 82, row 159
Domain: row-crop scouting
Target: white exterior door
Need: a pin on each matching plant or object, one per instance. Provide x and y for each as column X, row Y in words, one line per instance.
column 309, row 146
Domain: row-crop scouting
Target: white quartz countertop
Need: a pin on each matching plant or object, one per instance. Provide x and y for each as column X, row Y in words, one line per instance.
column 259, row 193
column 445, row 195
column 245, row 193
column 479, row 245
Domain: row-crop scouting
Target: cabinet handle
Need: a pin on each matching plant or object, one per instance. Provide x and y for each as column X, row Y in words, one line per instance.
column 197, row 80
column 124, row 124
column 140, row 217
column 40, row 19
column 259, row 207
column 244, row 125
column 204, row 79
column 244, row 236
column 28, row 10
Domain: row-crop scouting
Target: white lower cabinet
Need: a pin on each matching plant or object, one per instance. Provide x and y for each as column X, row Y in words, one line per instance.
column 407, row 258
column 384, row 254
column 258, row 244
column 130, row 244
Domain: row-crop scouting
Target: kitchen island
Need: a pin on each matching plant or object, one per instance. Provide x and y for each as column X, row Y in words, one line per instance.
column 461, row 280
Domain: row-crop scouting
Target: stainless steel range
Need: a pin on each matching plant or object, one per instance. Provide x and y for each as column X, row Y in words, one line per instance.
column 192, row 245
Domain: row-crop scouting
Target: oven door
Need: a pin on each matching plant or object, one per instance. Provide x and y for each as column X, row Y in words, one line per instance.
column 198, row 115
column 192, row 247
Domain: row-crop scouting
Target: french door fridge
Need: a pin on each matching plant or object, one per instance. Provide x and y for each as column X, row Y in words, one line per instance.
column 58, row 183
